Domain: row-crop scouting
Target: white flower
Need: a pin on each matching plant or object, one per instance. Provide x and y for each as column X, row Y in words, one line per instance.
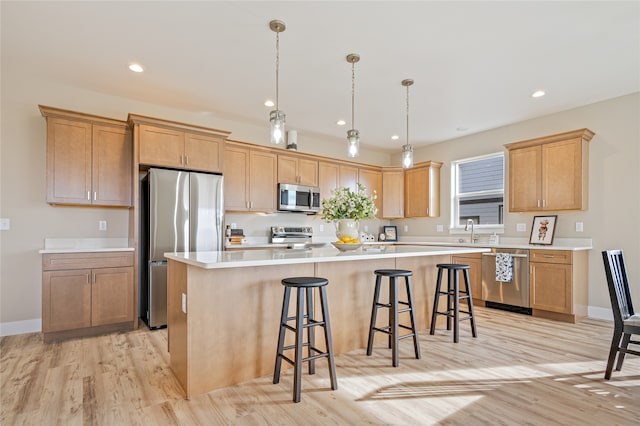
column 345, row 204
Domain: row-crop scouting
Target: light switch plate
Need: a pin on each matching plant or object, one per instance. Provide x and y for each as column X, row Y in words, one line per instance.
column 5, row 224
column 521, row 227
column 102, row 225
column 579, row 227
column 321, row 228
column 406, row 228
column 439, row 228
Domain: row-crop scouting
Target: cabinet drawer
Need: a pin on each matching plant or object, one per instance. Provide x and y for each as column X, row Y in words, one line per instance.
column 551, row 256
column 61, row 261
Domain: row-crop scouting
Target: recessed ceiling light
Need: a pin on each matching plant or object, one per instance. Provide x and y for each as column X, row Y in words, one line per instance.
column 395, row 137
column 341, row 122
column 136, row 68
column 538, row 94
column 268, row 103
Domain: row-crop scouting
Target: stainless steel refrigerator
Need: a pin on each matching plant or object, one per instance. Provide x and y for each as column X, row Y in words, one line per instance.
column 180, row 211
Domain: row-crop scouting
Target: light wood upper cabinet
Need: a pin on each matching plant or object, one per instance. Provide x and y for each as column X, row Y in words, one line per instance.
column 87, row 290
column 178, row 145
column 372, row 181
column 89, row 159
column 297, row 170
column 550, row 173
column 392, row 193
column 422, row 190
column 335, row 175
column 348, row 176
column 250, row 179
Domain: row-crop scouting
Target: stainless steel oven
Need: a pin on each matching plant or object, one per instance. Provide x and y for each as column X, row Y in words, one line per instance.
column 501, row 294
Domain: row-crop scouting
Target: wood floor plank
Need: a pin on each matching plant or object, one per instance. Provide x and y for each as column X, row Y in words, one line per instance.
column 520, row 370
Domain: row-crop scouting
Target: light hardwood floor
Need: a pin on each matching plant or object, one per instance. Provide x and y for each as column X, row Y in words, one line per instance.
column 520, row 370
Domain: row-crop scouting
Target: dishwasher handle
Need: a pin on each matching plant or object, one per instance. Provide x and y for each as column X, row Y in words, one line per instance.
column 513, row 255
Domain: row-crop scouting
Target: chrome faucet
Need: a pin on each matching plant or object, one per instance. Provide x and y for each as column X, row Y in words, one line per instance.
column 466, row 228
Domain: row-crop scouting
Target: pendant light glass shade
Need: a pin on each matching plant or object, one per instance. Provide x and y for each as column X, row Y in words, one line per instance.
column 353, row 136
column 277, row 118
column 407, row 156
column 407, row 149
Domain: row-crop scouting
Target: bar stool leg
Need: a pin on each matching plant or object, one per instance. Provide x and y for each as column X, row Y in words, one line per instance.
column 310, row 331
column 393, row 317
column 327, row 338
column 470, row 304
column 283, row 321
column 450, row 274
column 297, row 378
column 414, row 328
column 456, row 307
column 374, row 314
column 436, row 299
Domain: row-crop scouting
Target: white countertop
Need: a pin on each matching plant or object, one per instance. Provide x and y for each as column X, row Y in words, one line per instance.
column 84, row 245
column 242, row 258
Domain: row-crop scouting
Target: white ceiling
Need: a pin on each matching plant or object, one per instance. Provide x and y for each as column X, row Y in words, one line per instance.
column 475, row 64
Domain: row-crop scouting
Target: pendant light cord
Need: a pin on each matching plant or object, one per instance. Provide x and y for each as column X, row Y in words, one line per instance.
column 353, row 94
column 277, row 64
column 407, row 115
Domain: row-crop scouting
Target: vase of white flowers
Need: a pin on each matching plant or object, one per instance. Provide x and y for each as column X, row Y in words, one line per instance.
column 346, row 208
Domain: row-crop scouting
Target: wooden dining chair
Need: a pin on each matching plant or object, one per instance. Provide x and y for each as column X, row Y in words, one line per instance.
column 626, row 322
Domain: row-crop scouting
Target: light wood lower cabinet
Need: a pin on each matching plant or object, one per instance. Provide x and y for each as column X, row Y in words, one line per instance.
column 558, row 280
column 86, row 293
column 474, row 260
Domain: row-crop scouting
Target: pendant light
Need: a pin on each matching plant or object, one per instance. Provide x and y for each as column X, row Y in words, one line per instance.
column 277, row 117
column 353, row 136
column 407, row 150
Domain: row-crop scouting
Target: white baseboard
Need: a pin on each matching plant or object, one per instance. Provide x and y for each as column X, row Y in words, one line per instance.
column 600, row 313
column 20, row 327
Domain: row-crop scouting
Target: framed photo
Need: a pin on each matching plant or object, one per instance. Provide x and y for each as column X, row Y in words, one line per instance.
column 391, row 233
column 542, row 230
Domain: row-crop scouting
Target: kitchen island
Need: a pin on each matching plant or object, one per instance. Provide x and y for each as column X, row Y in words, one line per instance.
column 224, row 307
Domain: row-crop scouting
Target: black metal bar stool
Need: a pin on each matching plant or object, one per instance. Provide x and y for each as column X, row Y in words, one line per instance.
column 454, row 295
column 393, row 328
column 304, row 286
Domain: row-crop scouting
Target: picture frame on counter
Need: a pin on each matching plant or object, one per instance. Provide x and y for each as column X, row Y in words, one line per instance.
column 543, row 229
column 390, row 233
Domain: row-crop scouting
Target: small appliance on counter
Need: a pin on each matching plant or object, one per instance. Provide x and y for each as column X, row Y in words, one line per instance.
column 235, row 236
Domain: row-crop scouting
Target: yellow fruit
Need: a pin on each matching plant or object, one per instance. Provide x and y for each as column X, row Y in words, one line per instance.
column 345, row 238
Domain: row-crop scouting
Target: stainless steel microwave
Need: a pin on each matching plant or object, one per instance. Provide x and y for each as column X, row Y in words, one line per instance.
column 298, row 198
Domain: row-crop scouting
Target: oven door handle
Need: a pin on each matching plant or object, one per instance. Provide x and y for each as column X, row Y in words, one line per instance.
column 513, row 255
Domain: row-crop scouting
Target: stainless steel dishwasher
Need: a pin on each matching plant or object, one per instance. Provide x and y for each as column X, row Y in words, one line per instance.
column 512, row 295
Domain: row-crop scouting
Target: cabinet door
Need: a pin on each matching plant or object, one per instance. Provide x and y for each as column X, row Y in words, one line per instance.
column 287, row 169
column 372, row 180
column 203, row 153
column 475, row 272
column 416, row 195
column 263, row 172
column 66, row 300
column 161, row 147
column 392, row 194
column 308, row 172
column 112, row 166
column 525, row 179
column 348, row 177
column 551, row 287
column 68, row 161
column 327, row 178
column 562, row 175
column 236, row 178
column 112, row 296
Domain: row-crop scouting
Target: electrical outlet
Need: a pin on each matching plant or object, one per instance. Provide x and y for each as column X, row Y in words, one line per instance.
column 5, row 224
column 321, row 227
column 102, row 225
column 521, row 227
column 366, row 228
column 439, row 228
column 406, row 228
column 233, row 226
column 579, row 227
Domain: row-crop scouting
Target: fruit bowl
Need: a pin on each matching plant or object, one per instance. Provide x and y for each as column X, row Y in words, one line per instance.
column 347, row 246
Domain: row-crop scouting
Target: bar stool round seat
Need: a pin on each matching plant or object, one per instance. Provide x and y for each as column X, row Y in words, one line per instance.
column 393, row 327
column 304, row 320
column 454, row 295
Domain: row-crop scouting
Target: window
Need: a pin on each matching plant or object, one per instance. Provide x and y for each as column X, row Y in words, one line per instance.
column 477, row 191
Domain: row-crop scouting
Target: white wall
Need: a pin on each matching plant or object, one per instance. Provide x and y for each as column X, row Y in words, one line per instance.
column 612, row 219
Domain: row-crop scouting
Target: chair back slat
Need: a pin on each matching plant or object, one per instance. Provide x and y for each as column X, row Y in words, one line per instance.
column 618, row 283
